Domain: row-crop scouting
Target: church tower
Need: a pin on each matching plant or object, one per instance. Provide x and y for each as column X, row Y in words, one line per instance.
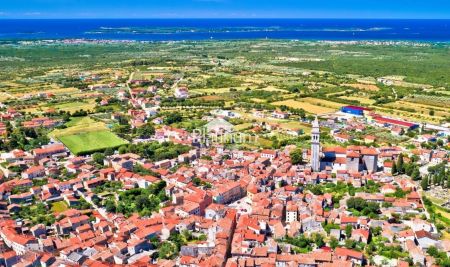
column 315, row 146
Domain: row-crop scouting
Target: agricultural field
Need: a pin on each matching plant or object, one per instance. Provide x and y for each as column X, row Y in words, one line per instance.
column 274, row 89
column 296, row 125
column 243, row 126
column 212, row 98
column 308, row 107
column 435, row 100
column 322, row 102
column 218, row 90
column 301, row 78
column 400, row 112
column 361, row 99
column 363, row 86
column 149, row 75
column 423, row 109
column 435, row 199
column 84, row 143
column 78, row 125
column 258, row 100
column 430, row 68
column 74, row 106
column 62, row 90
column 263, row 142
column 71, row 106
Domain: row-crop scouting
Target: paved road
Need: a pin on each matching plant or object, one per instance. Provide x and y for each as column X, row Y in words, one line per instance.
column 101, row 211
column 128, row 84
column 395, row 93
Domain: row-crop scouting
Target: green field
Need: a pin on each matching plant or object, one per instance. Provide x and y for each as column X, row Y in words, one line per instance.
column 59, row 206
column 78, row 125
column 74, row 106
column 84, row 143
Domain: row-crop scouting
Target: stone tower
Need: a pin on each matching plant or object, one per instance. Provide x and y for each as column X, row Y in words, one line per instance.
column 315, row 146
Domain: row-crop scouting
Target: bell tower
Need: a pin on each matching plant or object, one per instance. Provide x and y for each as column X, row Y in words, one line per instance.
column 315, row 146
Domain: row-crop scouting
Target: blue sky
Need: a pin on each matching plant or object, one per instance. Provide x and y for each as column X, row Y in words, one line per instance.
column 225, row 9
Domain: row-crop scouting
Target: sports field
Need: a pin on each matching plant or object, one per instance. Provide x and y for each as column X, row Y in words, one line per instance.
column 89, row 142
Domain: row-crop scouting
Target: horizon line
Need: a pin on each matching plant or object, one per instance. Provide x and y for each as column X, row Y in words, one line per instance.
column 205, row 18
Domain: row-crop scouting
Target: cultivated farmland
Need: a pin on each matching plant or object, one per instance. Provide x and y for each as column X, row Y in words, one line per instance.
column 308, row 107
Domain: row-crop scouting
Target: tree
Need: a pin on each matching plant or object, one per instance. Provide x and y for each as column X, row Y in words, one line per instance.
column 348, row 230
column 363, row 206
column 350, row 243
column 146, row 131
column 400, row 167
column 376, row 231
column 167, row 250
column 123, row 149
column 441, row 175
column 318, row 240
column 434, row 181
column 394, row 168
column 334, row 242
column 173, row 118
column 80, row 113
column 409, row 168
column 415, row 174
column 110, row 205
column 296, row 156
column 196, row 181
column 153, row 202
column 328, row 226
column 316, row 190
column 275, row 143
column 178, row 239
column 440, row 256
column 424, row 183
column 98, row 158
column 300, row 241
column 121, row 129
column 356, row 203
column 109, row 152
column 141, row 202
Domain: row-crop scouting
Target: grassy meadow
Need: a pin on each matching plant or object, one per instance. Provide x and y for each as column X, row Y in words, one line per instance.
column 84, row 143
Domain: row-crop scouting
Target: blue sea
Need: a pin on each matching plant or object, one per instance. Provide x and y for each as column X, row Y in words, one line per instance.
column 226, row 29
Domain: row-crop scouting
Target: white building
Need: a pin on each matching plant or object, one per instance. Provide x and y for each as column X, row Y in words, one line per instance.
column 291, row 213
column 181, row 93
column 269, row 154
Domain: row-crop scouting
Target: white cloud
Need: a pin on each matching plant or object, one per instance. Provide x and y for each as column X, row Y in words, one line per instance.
column 33, row 13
